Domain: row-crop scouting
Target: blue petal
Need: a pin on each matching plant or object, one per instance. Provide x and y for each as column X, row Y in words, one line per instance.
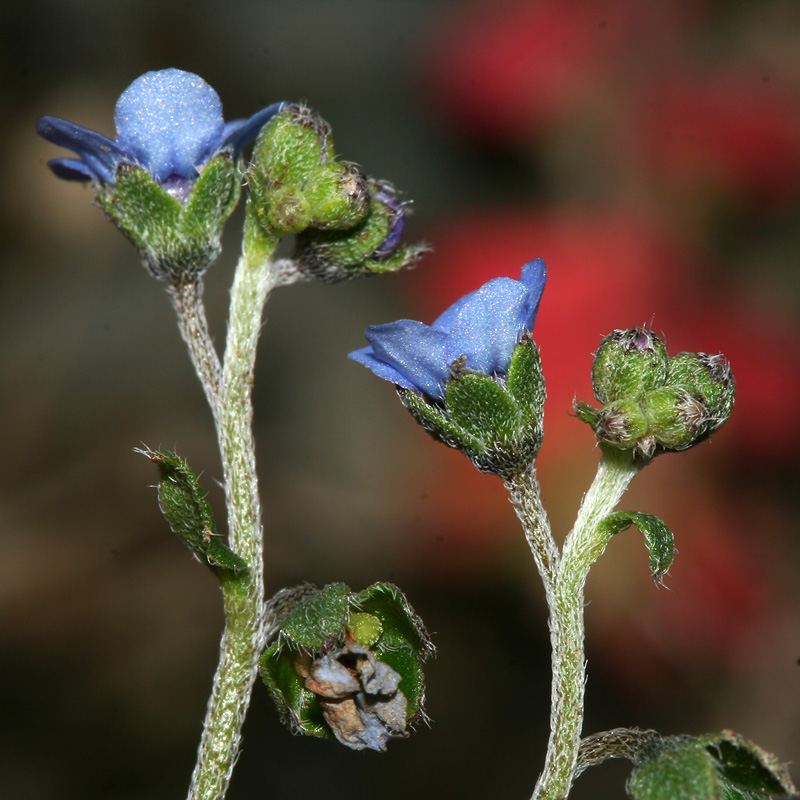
column 397, row 222
column 365, row 356
column 99, row 154
column 171, row 121
column 444, row 322
column 414, row 350
column 488, row 326
column 534, row 276
column 70, row 169
column 240, row 133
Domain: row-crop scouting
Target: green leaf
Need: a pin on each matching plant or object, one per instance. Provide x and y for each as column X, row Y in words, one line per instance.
column 185, row 507
column 682, row 772
column 745, row 766
column 717, row 766
column 658, row 538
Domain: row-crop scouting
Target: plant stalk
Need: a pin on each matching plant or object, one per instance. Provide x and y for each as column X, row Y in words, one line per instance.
column 582, row 547
column 243, row 596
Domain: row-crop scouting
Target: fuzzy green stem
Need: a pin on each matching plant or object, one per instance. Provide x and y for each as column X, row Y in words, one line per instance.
column 243, row 638
column 581, row 549
column 526, row 499
column 187, row 300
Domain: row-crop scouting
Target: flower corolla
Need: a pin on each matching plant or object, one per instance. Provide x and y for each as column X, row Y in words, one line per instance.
column 169, row 122
column 479, row 332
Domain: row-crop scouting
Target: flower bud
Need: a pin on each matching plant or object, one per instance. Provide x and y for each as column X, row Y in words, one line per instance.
column 347, row 666
column 622, row 424
column 496, row 421
column 177, row 240
column 296, row 184
column 628, row 363
column 371, row 247
column 710, row 379
column 676, row 417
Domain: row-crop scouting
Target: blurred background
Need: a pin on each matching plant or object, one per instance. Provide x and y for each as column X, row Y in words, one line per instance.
column 649, row 152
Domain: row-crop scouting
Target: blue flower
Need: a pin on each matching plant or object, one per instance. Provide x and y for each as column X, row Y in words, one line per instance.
column 168, row 122
column 483, row 328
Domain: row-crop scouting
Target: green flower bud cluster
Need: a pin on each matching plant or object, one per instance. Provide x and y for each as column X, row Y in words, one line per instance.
column 177, row 238
column 497, row 422
column 653, row 403
column 347, row 225
column 347, row 666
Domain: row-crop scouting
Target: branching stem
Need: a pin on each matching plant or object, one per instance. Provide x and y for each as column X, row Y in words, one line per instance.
column 229, row 389
column 565, row 578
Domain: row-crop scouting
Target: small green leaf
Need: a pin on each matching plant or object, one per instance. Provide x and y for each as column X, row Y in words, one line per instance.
column 745, row 766
column 185, row 507
column 682, row 772
column 658, row 538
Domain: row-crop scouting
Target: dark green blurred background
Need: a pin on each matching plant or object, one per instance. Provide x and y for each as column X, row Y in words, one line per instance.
column 109, row 629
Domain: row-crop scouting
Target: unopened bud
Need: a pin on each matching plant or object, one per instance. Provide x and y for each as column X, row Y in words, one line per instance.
column 628, row 363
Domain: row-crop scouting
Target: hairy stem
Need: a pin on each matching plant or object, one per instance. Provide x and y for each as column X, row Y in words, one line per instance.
column 526, row 499
column 581, row 549
column 187, row 300
column 243, row 638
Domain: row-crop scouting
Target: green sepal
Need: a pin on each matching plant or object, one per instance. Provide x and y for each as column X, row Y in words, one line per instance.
column 288, row 210
column 322, row 621
column 185, row 507
column 483, row 408
column 404, row 643
column 658, row 538
column 438, row 424
column 585, row 413
column 177, row 241
column 526, row 384
column 212, row 199
column 319, row 619
column 298, row 707
column 721, row 766
column 679, row 772
column 676, row 417
column 745, row 766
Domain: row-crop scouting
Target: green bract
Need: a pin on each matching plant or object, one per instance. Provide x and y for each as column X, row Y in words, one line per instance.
column 177, row 241
column 348, row 666
column 652, row 403
column 497, row 424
